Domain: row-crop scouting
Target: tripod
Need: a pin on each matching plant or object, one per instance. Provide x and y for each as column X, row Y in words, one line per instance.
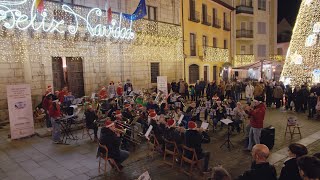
column 228, row 142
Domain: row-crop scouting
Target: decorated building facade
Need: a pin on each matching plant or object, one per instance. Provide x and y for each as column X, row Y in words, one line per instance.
column 74, row 45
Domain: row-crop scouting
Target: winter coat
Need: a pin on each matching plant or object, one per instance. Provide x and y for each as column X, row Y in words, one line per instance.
column 112, row 141
column 263, row 171
column 249, row 91
column 278, row 92
column 290, row 171
column 193, row 140
column 257, row 116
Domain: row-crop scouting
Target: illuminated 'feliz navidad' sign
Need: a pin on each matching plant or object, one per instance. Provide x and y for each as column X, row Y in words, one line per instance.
column 14, row 18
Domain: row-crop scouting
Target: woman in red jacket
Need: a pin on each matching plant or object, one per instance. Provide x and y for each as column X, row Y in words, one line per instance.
column 55, row 114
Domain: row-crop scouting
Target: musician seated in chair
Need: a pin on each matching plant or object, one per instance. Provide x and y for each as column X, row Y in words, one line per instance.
column 91, row 116
column 110, row 137
column 175, row 134
column 193, row 140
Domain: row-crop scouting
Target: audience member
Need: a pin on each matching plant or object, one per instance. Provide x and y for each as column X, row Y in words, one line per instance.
column 290, row 171
column 309, row 167
column 260, row 168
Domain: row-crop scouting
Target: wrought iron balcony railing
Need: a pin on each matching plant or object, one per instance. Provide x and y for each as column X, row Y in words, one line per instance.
column 244, row 33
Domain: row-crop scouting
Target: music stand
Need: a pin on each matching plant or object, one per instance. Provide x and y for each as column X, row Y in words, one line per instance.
column 227, row 142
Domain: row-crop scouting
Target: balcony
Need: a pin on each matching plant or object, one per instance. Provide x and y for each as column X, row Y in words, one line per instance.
column 226, row 26
column 216, row 23
column 212, row 54
column 206, row 19
column 244, row 33
column 246, row 8
column 194, row 16
column 243, row 59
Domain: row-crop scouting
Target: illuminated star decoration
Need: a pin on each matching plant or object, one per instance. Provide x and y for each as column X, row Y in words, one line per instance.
column 139, row 13
column 296, row 58
column 308, row 2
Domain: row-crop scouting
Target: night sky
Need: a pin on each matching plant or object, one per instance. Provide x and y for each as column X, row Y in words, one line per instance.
column 288, row 9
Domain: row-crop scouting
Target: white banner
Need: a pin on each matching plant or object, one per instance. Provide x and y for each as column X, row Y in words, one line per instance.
column 162, row 84
column 20, row 110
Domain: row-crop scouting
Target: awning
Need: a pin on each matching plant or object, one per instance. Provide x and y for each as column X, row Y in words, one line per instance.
column 257, row 65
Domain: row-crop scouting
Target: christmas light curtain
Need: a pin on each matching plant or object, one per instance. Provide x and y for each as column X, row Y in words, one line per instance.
column 302, row 63
column 139, row 13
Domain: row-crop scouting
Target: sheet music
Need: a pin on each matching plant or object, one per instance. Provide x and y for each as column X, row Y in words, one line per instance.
column 204, row 125
column 93, row 95
column 144, row 176
column 180, row 119
column 226, row 121
column 148, row 131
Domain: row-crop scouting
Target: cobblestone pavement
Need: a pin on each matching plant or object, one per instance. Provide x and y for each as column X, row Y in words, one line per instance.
column 38, row 158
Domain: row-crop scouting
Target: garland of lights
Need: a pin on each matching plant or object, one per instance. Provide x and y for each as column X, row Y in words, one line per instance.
column 242, row 60
column 302, row 60
column 212, row 54
column 153, row 40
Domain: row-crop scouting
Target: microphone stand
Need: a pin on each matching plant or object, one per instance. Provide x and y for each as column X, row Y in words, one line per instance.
column 228, row 142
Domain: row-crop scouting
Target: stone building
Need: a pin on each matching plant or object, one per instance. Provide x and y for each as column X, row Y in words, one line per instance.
column 82, row 61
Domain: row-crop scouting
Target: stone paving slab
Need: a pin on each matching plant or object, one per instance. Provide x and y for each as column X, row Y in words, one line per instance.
column 39, row 158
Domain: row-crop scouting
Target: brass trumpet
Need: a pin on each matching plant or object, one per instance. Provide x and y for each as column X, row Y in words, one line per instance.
column 120, row 131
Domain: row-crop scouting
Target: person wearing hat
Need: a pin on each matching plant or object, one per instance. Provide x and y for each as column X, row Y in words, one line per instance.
column 55, row 115
column 103, row 93
column 110, row 137
column 193, row 140
column 172, row 133
column 256, row 121
column 119, row 89
column 128, row 87
column 62, row 94
column 91, row 117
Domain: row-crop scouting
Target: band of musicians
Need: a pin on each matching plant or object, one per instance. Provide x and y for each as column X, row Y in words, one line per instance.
column 128, row 118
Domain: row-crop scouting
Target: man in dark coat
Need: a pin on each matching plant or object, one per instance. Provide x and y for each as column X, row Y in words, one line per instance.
column 112, row 140
column 260, row 168
column 193, row 140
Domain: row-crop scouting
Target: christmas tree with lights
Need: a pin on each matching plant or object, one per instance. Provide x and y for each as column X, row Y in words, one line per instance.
column 302, row 63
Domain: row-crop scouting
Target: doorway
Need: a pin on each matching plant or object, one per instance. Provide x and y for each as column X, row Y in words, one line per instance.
column 193, row 73
column 68, row 71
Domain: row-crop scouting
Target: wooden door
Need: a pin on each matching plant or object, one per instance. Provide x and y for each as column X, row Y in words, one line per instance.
column 75, row 76
column 193, row 73
column 57, row 73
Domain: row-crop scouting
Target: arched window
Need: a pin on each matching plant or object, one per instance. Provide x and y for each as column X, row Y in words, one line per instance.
column 193, row 73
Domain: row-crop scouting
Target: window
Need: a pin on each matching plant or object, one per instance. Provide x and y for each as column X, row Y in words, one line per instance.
column 193, row 44
column 262, row 50
column 214, row 42
column 243, row 49
column 204, row 13
column 225, row 44
column 192, row 5
column 155, row 72
column 251, row 49
column 204, row 41
column 262, row 28
column 214, row 13
column 243, row 25
column 262, row 5
column 279, row 51
column 152, row 13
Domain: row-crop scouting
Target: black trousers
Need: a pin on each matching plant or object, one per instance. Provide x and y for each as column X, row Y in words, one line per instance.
column 95, row 129
column 205, row 158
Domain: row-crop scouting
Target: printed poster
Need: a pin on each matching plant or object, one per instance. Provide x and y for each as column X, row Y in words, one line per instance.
column 162, row 84
column 20, row 110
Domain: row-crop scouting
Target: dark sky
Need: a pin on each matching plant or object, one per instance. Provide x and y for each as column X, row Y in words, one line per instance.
column 288, row 9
